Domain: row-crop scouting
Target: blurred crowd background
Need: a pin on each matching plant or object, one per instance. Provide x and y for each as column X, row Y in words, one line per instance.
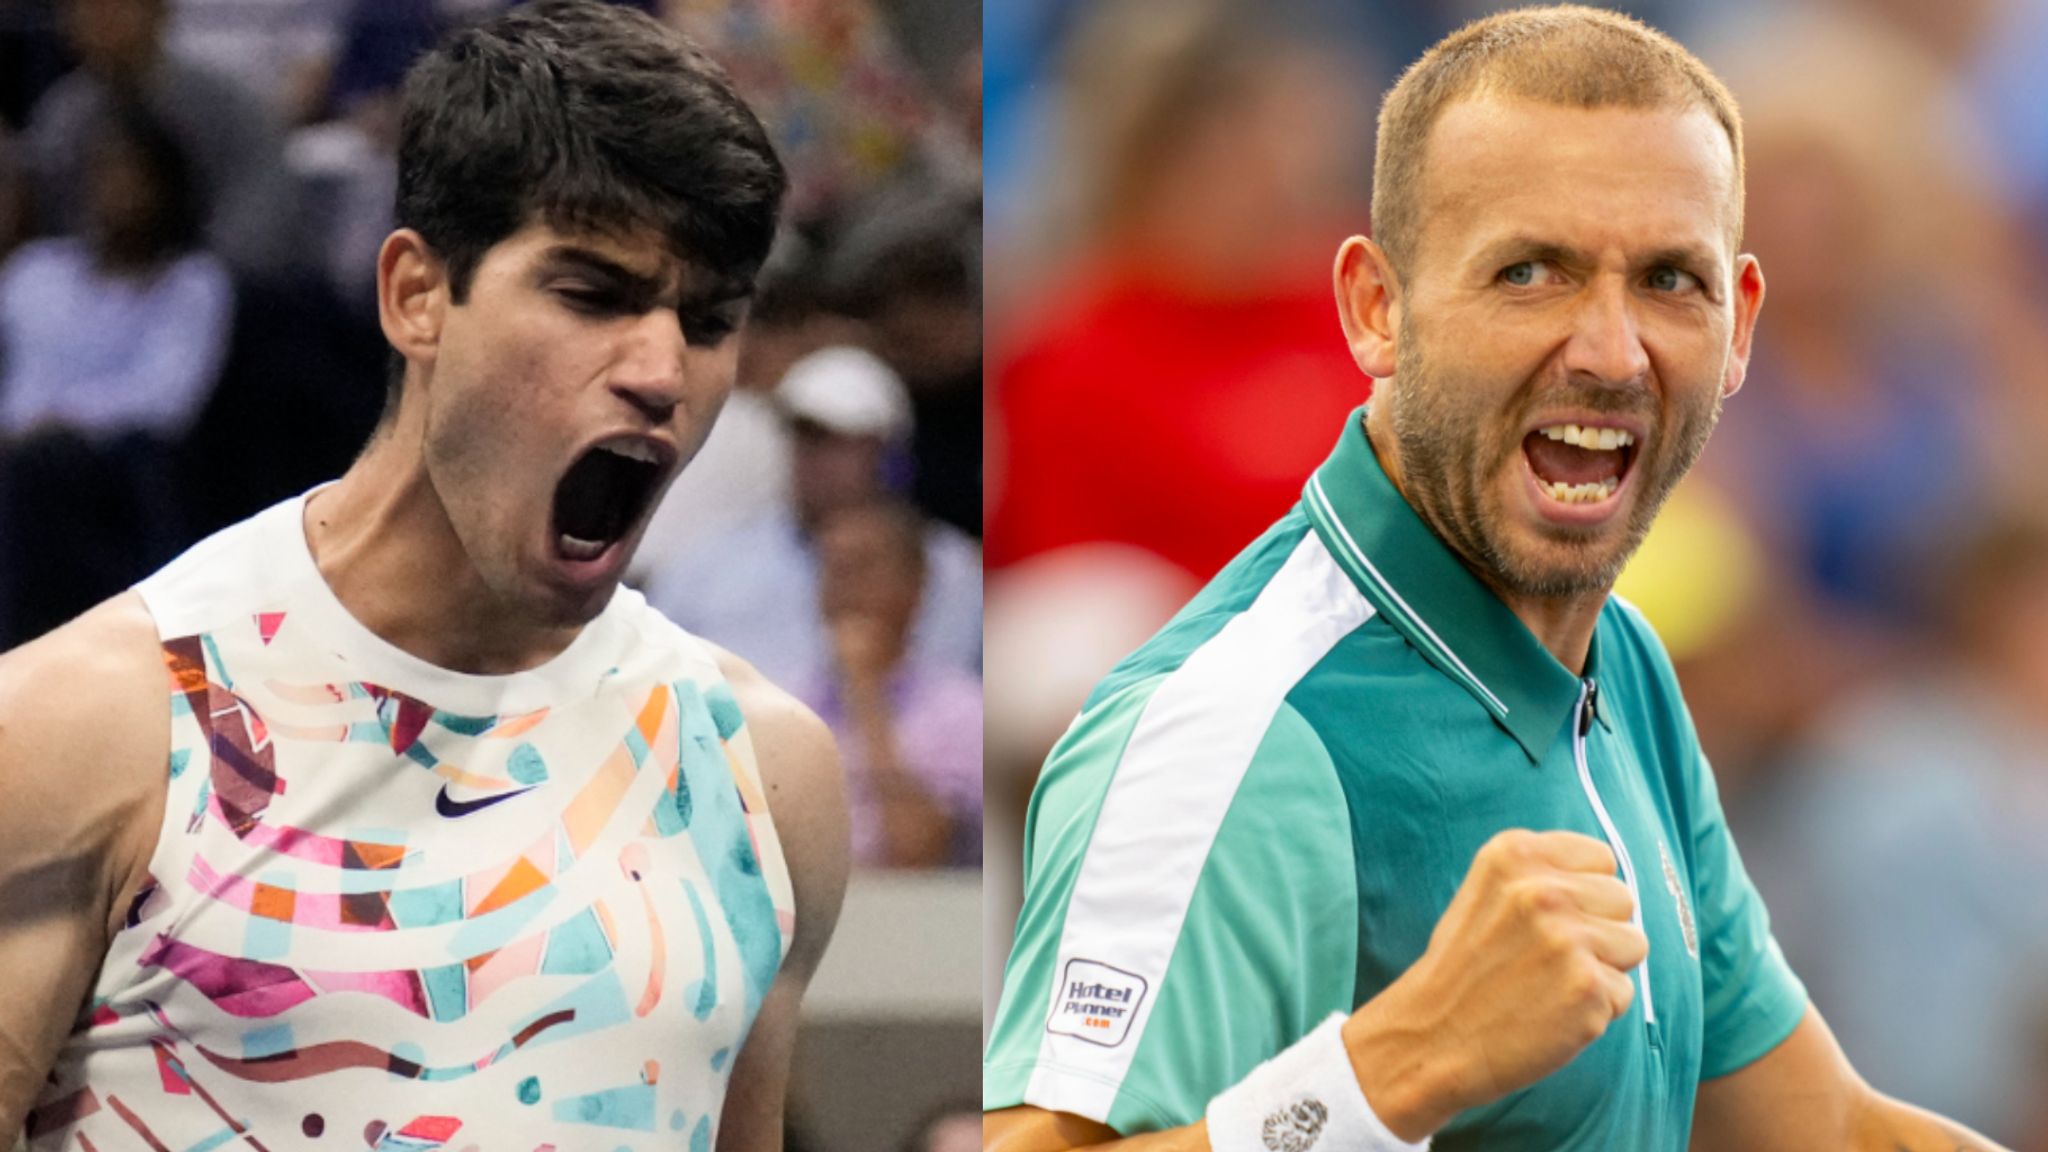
column 1854, row 583
column 192, row 196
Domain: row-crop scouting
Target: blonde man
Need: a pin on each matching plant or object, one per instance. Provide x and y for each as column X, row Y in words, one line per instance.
column 1400, row 834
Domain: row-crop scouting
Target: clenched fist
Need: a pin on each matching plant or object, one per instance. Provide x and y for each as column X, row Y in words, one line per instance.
column 1528, row 966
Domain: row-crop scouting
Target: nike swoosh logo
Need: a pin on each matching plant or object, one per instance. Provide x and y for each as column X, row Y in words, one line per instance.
column 455, row 809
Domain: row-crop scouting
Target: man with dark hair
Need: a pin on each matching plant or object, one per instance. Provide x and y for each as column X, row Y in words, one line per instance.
column 435, row 834
column 1400, row 832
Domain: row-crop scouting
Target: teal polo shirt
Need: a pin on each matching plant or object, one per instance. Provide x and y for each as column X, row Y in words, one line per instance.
column 1261, row 814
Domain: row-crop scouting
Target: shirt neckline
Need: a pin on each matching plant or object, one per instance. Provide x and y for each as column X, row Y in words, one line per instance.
column 1425, row 591
column 570, row 673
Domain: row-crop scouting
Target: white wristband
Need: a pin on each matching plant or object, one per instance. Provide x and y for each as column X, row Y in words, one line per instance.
column 1306, row 1099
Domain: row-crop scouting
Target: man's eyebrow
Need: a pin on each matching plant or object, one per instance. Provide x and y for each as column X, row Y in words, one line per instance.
column 1684, row 256
column 573, row 258
column 1518, row 248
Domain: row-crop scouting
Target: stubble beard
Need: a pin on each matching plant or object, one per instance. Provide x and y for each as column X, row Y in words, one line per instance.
column 1448, row 473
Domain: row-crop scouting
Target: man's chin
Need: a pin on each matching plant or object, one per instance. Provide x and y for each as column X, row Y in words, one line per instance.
column 553, row 603
column 1559, row 569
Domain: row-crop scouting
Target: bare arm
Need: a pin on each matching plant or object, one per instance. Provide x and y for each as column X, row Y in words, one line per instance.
column 1803, row 1094
column 800, row 773
column 1029, row 1129
column 84, row 729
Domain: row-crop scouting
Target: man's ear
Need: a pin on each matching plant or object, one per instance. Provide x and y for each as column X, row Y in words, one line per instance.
column 1749, row 300
column 412, row 295
column 1367, row 296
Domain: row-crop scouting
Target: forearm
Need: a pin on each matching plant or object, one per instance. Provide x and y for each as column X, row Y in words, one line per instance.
column 1888, row 1125
column 1321, row 1070
column 1036, row 1130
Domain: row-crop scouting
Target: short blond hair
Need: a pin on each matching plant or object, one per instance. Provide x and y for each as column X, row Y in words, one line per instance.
column 1565, row 54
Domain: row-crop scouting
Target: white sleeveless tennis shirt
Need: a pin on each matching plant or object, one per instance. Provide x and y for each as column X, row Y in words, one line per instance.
column 397, row 907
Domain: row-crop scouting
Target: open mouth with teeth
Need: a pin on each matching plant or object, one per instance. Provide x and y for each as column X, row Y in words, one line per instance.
column 1579, row 464
column 602, row 496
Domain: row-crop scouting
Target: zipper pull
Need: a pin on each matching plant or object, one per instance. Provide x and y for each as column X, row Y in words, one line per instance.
column 1586, row 708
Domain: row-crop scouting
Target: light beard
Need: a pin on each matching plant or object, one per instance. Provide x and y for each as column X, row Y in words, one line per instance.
column 1445, row 479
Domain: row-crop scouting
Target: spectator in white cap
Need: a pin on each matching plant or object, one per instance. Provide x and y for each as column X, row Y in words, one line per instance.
column 755, row 587
column 849, row 414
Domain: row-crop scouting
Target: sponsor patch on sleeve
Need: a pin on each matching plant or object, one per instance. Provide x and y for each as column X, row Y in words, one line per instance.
column 1096, row 1002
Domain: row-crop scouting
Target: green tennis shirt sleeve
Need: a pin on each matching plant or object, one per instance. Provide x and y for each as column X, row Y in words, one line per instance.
column 1752, row 1000
column 1257, row 918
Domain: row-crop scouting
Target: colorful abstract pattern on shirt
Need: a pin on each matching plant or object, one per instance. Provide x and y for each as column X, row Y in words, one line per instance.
column 373, row 919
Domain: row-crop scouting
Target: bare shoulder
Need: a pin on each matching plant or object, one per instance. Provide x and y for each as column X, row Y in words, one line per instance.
column 806, row 795
column 94, row 686
column 84, row 732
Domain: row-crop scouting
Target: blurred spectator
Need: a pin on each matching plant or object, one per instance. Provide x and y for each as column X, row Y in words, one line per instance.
column 755, row 588
column 1866, row 438
column 232, row 137
column 296, row 55
column 1176, row 386
column 120, row 331
column 843, row 105
column 281, row 50
column 1902, row 856
column 32, row 56
column 2010, row 89
column 967, row 104
column 111, row 344
column 910, row 267
column 348, row 165
column 14, row 219
column 909, row 733
column 1869, row 433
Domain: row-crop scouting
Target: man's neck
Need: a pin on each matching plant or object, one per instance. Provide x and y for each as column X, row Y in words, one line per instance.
column 1563, row 625
column 384, row 543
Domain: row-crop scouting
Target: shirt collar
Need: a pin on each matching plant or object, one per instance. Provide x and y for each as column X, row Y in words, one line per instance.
column 1428, row 594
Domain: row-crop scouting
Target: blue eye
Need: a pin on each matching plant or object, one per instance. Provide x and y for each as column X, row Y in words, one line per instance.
column 1669, row 279
column 1520, row 275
